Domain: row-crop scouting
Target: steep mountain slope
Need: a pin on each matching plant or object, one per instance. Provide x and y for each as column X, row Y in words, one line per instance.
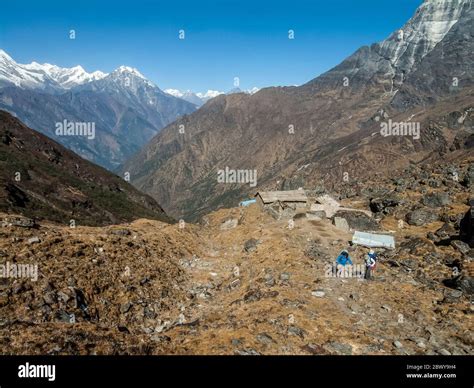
column 327, row 130
column 444, row 70
column 126, row 109
column 40, row 178
column 258, row 287
column 130, row 88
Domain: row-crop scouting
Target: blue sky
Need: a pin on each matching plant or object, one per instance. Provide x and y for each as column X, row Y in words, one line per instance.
column 223, row 39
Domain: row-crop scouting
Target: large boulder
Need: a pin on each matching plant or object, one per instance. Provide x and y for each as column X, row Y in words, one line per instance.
column 341, row 223
column 383, row 204
column 461, row 246
column 436, row 200
column 358, row 220
column 421, row 217
column 468, row 180
column 446, row 231
column 466, row 284
column 467, row 225
column 463, row 283
column 416, row 246
column 22, row 222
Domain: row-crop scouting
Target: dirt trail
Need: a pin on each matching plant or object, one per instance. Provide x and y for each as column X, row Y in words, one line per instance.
column 281, row 302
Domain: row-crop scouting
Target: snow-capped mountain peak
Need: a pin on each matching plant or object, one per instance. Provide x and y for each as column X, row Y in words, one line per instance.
column 195, row 98
column 129, row 70
column 130, row 78
column 431, row 22
column 5, row 56
column 209, row 94
column 201, row 98
column 174, row 92
column 43, row 76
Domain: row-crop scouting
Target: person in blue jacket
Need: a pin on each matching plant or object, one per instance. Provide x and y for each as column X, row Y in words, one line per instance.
column 343, row 258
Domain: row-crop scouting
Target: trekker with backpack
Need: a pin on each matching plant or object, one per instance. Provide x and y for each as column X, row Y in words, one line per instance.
column 343, row 258
column 341, row 261
column 370, row 262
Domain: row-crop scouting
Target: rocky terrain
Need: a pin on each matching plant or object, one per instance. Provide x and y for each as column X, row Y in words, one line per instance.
column 42, row 179
column 242, row 282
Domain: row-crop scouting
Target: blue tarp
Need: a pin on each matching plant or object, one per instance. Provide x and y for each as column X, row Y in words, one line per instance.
column 247, row 202
column 373, row 240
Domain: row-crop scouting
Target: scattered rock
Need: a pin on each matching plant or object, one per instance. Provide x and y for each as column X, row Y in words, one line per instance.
column 295, row 330
column 341, row 223
column 383, row 205
column 446, row 231
column 421, row 217
column 461, row 246
column 63, row 296
column 159, row 338
column 229, row 224
column 416, row 246
column 125, row 308
column 318, row 293
column 264, row 338
column 247, row 352
column 397, row 344
column 465, row 284
column 285, row 276
column 468, row 180
column 421, row 345
column 34, row 240
column 316, row 215
column 313, row 349
column 236, row 342
column 252, row 296
column 338, row 347
column 235, row 284
column 22, row 222
column 269, row 280
column 120, row 232
column 63, row 316
column 435, row 200
column 251, row 245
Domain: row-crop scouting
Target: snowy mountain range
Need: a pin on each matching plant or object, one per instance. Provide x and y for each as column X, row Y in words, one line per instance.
column 43, row 76
column 126, row 108
column 201, row 98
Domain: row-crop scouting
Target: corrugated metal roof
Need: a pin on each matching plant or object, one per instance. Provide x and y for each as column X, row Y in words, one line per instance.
column 283, row 196
column 373, row 240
